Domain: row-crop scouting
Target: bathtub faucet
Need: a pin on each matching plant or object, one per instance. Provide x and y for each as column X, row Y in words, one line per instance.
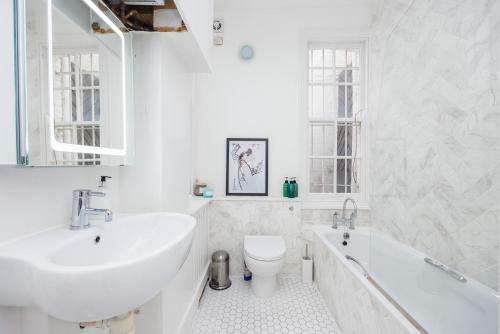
column 343, row 220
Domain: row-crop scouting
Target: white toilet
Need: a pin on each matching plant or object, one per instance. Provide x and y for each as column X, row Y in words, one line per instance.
column 264, row 257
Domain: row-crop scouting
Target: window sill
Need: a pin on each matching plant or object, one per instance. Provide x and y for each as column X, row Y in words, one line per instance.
column 324, row 204
column 256, row 198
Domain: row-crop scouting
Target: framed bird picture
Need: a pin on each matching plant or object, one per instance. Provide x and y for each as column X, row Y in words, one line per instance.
column 246, row 166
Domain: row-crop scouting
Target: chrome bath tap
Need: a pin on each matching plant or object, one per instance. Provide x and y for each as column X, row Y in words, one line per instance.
column 81, row 209
column 343, row 220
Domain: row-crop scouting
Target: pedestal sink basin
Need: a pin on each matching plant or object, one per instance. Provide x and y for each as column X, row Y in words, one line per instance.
column 95, row 273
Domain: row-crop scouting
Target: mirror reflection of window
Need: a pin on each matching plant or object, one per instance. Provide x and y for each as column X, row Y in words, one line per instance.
column 77, row 107
column 89, row 92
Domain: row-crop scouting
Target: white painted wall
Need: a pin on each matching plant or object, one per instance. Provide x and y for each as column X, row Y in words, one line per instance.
column 177, row 95
column 260, row 98
column 34, row 199
column 140, row 181
column 7, row 87
column 159, row 179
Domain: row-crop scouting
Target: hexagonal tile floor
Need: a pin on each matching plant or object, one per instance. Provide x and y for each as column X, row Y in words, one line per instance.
column 295, row 308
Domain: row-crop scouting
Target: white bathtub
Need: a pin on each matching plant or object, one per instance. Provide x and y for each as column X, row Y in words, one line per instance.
column 439, row 303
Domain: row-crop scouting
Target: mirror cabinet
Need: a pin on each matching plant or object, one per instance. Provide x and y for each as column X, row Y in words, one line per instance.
column 74, row 84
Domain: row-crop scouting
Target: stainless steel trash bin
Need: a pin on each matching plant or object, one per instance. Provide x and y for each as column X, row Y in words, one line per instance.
column 219, row 271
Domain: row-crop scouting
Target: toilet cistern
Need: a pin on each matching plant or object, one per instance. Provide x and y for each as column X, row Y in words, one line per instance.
column 81, row 209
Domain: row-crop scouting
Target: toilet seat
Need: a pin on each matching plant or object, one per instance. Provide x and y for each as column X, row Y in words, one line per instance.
column 264, row 248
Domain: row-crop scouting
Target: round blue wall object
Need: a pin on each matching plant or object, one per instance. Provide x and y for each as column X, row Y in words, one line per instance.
column 246, row 52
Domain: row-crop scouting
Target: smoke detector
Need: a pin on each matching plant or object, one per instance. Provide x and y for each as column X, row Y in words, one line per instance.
column 145, row 2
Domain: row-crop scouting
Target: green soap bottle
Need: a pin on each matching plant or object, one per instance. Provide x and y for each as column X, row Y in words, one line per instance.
column 291, row 189
column 285, row 187
column 295, row 188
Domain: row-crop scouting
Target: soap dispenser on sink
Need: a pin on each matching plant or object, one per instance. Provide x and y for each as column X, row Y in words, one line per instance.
column 103, row 187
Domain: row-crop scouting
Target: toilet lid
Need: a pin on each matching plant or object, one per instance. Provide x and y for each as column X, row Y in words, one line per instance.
column 264, row 248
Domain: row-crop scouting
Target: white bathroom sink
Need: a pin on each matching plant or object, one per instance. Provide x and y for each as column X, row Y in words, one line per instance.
column 95, row 273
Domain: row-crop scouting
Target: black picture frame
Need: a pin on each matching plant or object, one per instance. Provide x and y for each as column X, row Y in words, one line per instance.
column 265, row 170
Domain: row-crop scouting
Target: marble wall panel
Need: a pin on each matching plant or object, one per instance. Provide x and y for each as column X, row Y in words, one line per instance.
column 231, row 220
column 435, row 130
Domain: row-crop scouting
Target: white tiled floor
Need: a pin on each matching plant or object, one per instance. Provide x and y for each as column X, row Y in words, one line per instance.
column 295, row 308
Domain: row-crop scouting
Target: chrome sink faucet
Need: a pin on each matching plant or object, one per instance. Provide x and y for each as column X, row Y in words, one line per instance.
column 343, row 220
column 81, row 209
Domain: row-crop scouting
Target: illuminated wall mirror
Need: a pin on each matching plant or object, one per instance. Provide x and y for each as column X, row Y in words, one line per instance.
column 76, row 78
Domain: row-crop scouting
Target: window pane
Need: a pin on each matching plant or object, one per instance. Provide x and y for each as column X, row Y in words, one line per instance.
column 97, row 105
column 348, row 128
column 355, row 100
column 328, row 57
column 322, row 140
column 57, row 64
column 73, row 63
column 316, row 76
column 317, row 58
column 316, row 176
column 95, row 62
column 74, row 109
column 355, row 172
column 316, row 140
column 348, row 175
column 96, row 79
column 86, row 62
column 65, row 64
column 341, row 101
column 65, row 105
column 321, row 180
column 58, row 106
column 64, row 134
column 329, row 100
column 341, row 76
column 88, row 138
column 310, row 101
column 86, row 79
column 87, row 105
column 58, row 81
column 65, row 81
column 340, row 58
column 328, row 76
column 348, row 76
column 341, row 140
column 353, row 58
column 329, row 140
column 349, row 101
column 341, row 176
column 317, row 100
column 328, row 172
column 355, row 76
column 97, row 134
column 79, row 136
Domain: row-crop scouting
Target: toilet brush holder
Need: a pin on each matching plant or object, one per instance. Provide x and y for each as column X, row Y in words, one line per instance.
column 307, row 268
